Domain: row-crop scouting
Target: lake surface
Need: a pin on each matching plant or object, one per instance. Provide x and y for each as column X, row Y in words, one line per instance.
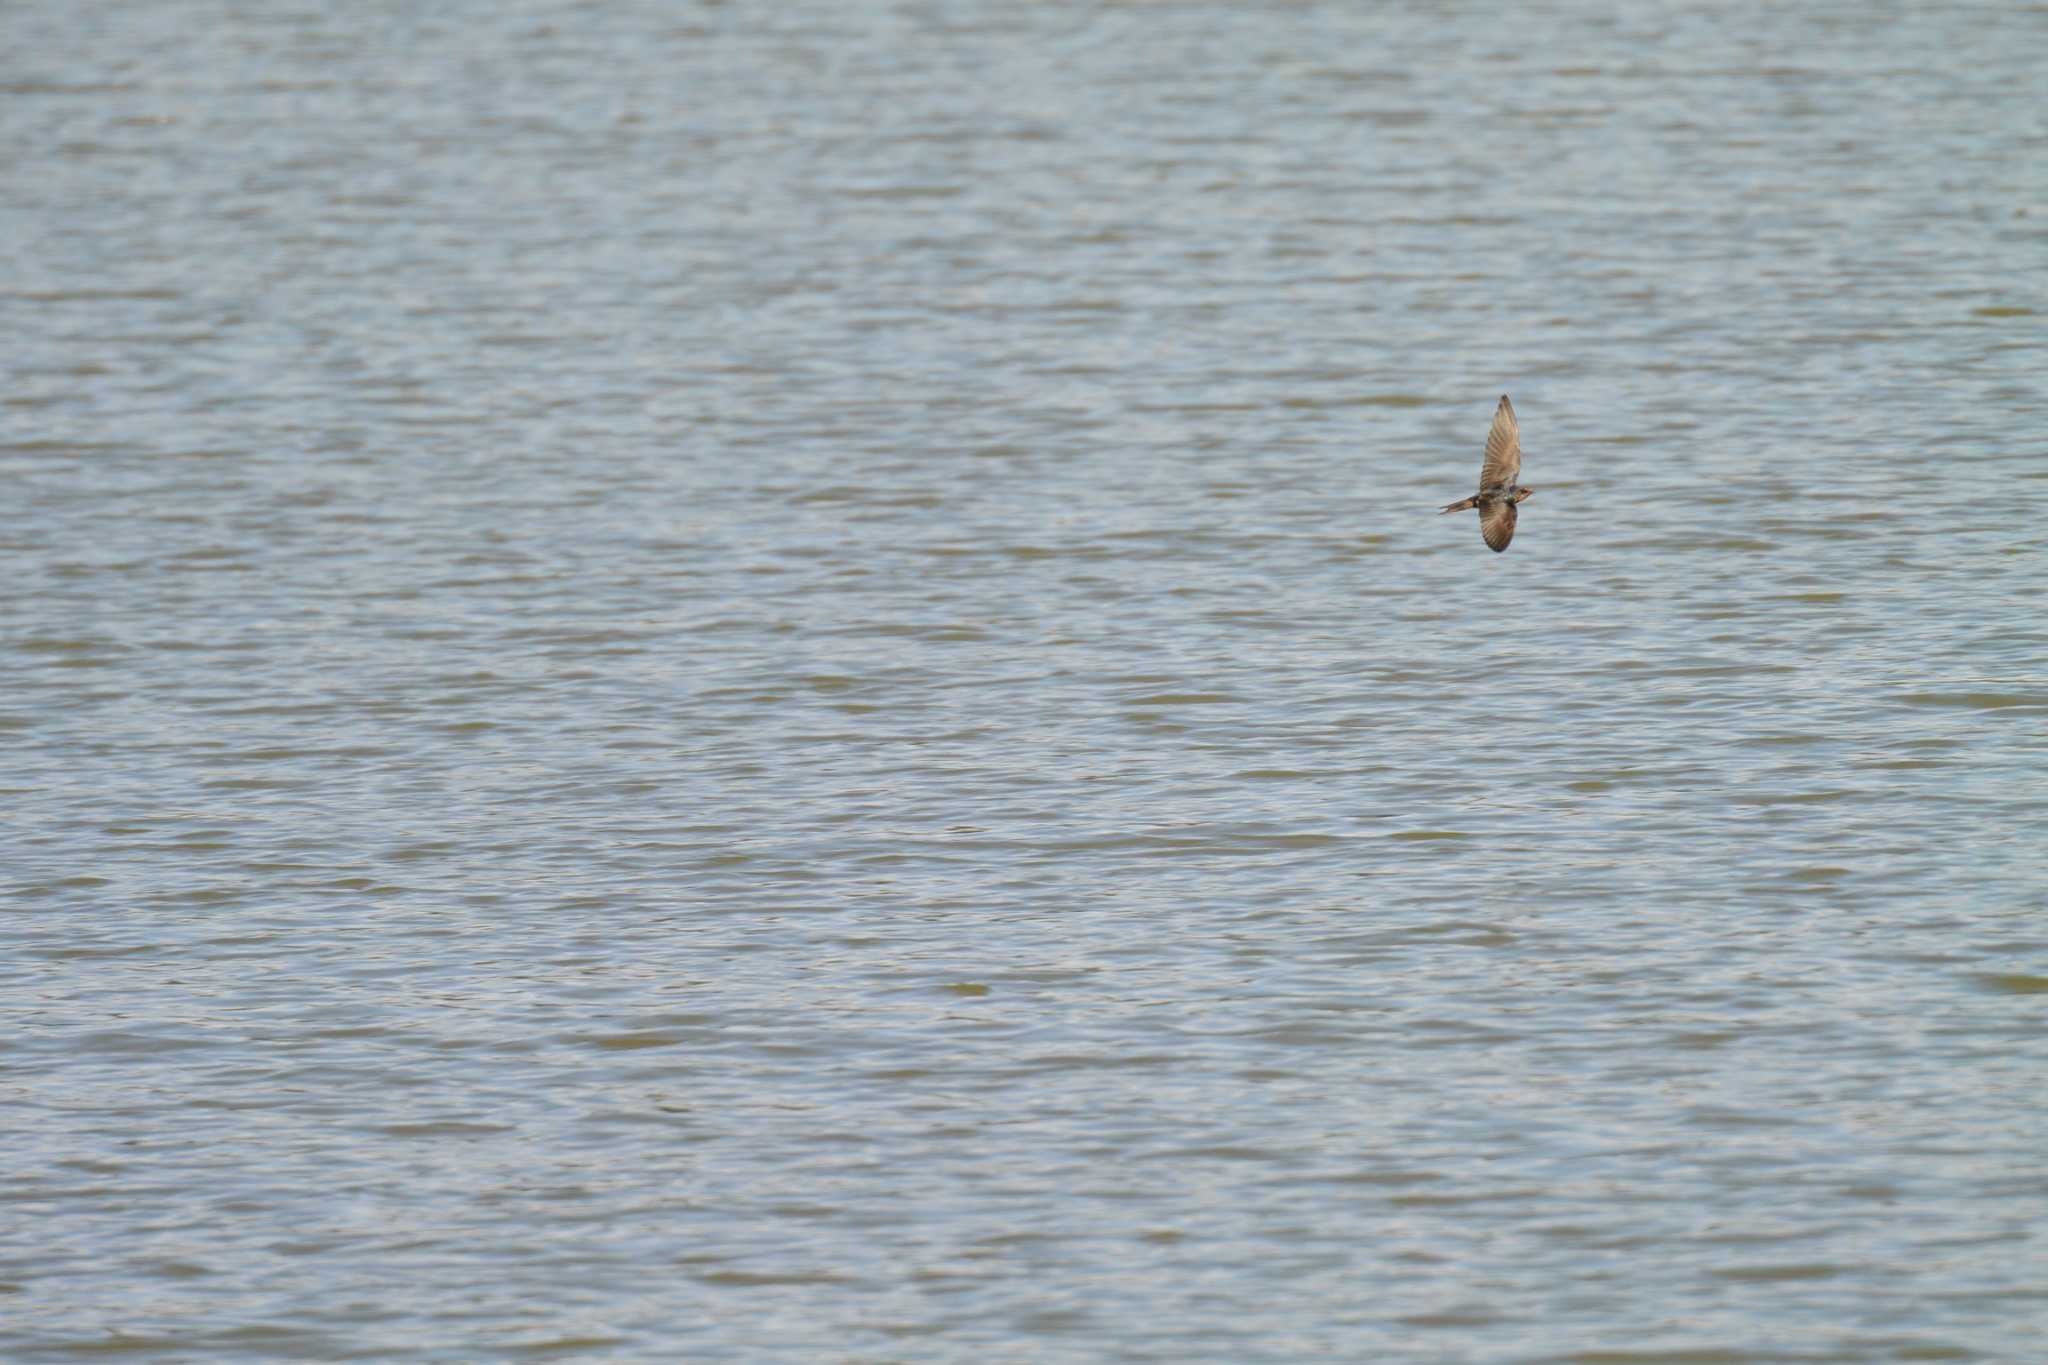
column 780, row 682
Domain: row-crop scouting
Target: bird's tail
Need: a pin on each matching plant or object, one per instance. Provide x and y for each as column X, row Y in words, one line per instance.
column 1461, row 506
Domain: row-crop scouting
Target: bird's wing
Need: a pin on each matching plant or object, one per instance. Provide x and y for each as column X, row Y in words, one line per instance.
column 1497, row 524
column 1503, row 448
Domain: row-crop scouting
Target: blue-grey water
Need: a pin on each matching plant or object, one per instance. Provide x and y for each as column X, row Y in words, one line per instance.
column 779, row 682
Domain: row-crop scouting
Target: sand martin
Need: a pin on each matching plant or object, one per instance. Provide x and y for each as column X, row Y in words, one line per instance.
column 1498, row 491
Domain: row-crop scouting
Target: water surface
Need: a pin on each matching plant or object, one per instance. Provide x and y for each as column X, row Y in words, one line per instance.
column 779, row 682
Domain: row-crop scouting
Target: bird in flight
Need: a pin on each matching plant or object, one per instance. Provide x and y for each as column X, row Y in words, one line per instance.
column 1498, row 491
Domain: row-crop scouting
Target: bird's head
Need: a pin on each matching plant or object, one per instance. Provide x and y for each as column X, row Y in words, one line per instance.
column 1521, row 493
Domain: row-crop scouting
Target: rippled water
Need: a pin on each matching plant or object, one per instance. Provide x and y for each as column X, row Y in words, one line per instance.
column 743, row 682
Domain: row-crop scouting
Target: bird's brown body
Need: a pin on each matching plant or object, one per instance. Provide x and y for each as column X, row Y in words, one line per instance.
column 1498, row 492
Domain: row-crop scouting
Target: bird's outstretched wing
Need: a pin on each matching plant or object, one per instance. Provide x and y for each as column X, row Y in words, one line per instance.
column 1503, row 455
column 1497, row 524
